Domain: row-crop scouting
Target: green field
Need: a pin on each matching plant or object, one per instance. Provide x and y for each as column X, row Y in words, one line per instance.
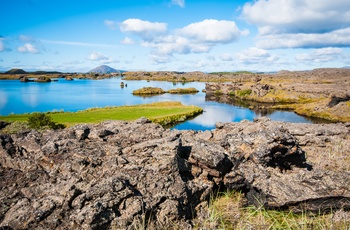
column 159, row 112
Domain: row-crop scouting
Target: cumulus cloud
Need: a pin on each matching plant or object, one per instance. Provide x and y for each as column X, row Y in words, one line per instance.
column 255, row 55
column 213, row 31
column 320, row 55
column 337, row 38
column 127, row 41
column 176, row 44
column 97, row 56
column 144, row 29
column 180, row 3
column 28, row 48
column 298, row 16
column 298, row 23
column 198, row 37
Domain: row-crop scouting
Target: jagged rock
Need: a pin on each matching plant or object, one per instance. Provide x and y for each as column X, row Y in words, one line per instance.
column 23, row 79
column 261, row 90
column 337, row 98
column 43, row 79
column 123, row 175
column 220, row 88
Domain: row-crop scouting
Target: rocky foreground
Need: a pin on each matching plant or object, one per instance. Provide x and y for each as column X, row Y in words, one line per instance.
column 125, row 175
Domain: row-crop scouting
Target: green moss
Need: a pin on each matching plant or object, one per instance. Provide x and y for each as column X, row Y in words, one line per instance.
column 232, row 93
column 218, row 92
column 243, row 93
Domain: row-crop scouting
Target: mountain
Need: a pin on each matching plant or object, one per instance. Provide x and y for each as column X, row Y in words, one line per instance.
column 16, row 71
column 105, row 69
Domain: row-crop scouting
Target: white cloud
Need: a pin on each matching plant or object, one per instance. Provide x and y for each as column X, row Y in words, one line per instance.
column 110, row 24
column 70, row 43
column 300, row 23
column 144, row 29
column 25, row 39
column 320, row 55
column 127, row 41
column 180, row 3
column 176, row 44
column 298, row 16
column 255, row 55
column 28, row 48
column 340, row 38
column 199, row 37
column 97, row 56
column 159, row 59
column 2, row 47
column 213, row 31
column 226, row 57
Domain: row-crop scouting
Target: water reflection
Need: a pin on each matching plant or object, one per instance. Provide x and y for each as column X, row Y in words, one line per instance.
column 3, row 99
column 82, row 94
column 260, row 109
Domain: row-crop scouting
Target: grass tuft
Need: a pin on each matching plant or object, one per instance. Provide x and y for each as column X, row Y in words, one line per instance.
column 229, row 210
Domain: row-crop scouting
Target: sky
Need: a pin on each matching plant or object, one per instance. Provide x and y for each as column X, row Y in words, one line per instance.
column 174, row 35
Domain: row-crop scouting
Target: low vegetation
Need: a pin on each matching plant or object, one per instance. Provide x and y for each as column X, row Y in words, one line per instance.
column 229, row 210
column 160, row 112
column 148, row 91
column 157, row 91
column 42, row 121
column 183, row 91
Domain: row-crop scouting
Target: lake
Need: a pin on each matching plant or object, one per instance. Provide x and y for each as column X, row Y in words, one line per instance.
column 79, row 94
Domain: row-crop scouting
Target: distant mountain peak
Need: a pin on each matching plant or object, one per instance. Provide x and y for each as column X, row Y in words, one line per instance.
column 104, row 69
column 16, row 71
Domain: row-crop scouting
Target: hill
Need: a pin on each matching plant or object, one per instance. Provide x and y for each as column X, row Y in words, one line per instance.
column 16, row 71
column 105, row 69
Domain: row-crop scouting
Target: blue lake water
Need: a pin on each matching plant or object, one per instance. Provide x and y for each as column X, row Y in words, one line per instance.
column 19, row 97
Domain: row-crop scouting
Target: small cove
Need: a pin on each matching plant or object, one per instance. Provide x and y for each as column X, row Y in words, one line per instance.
column 79, row 94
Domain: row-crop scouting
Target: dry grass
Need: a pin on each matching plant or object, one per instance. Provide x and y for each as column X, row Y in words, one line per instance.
column 229, row 211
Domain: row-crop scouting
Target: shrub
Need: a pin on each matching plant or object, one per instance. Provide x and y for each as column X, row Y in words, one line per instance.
column 42, row 121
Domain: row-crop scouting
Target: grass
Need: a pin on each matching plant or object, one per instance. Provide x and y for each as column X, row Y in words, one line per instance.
column 148, row 91
column 159, row 112
column 228, row 210
column 183, row 90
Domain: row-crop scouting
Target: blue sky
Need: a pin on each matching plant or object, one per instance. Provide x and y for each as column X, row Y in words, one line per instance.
column 176, row 35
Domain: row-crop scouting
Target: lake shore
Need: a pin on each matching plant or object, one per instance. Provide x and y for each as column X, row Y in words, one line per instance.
column 321, row 93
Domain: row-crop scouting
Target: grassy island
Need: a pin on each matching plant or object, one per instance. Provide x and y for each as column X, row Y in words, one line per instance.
column 163, row 113
column 183, row 90
column 156, row 91
column 148, row 91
